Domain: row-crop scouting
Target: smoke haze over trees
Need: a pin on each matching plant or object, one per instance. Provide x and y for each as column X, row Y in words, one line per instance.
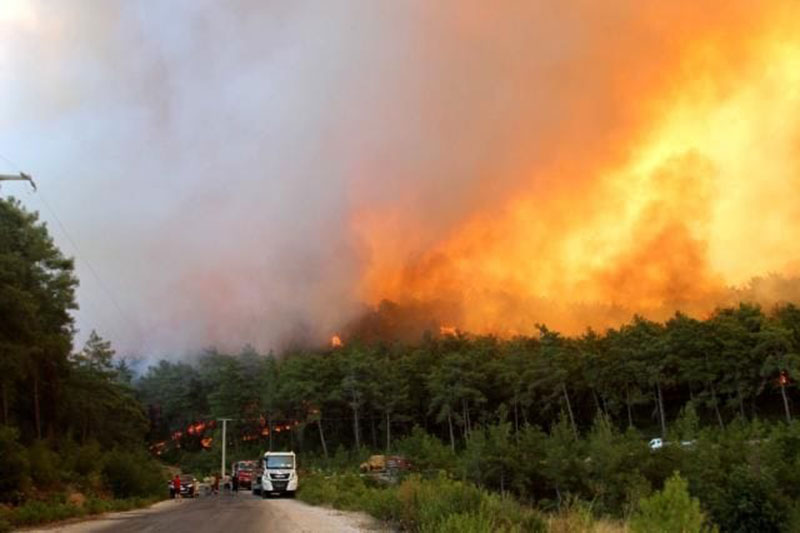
column 552, row 419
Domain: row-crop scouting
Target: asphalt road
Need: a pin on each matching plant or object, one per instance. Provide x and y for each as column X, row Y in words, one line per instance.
column 242, row 513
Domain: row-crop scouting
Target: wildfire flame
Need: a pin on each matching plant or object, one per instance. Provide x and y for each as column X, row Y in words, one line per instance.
column 670, row 177
column 336, row 342
column 196, row 429
column 448, row 330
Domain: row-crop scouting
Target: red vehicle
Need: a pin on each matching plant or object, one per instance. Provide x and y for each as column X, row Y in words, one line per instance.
column 244, row 470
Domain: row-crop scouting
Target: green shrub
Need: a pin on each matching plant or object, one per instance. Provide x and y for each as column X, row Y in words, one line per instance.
column 346, row 491
column 748, row 502
column 45, row 467
column 426, row 452
column 130, row 474
column 424, row 502
column 417, row 504
column 98, row 505
column 88, row 459
column 509, row 515
column 40, row 512
column 13, row 466
column 37, row 512
column 383, row 504
column 461, row 523
column 671, row 510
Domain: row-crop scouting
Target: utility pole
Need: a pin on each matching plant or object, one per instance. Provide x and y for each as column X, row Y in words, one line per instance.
column 224, row 431
column 18, row 177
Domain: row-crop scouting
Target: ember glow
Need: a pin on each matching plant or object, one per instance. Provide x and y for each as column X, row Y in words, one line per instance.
column 670, row 175
column 336, row 342
column 447, row 330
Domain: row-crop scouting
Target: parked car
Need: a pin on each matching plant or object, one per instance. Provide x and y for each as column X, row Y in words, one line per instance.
column 657, row 443
column 188, row 486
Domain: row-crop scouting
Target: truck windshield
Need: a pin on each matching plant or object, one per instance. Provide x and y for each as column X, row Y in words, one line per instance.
column 279, row 461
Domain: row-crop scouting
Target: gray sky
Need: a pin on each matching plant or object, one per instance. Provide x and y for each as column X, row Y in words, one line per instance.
column 206, row 157
column 189, row 150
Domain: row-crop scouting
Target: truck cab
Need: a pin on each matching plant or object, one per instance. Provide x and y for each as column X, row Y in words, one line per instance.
column 279, row 474
column 243, row 470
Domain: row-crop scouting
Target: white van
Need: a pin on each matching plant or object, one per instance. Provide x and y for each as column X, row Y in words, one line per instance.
column 279, row 475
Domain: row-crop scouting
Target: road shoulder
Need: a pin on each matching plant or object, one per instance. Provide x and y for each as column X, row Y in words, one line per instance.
column 310, row 518
column 68, row 525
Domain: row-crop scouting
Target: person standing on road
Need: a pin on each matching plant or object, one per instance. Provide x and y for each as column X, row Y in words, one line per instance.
column 176, row 486
column 235, row 483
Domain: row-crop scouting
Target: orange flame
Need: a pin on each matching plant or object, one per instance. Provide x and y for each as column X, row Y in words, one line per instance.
column 336, row 342
column 448, row 330
column 670, row 177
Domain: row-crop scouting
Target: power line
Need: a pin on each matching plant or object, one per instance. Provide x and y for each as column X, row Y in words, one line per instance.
column 85, row 259
column 78, row 254
column 10, row 162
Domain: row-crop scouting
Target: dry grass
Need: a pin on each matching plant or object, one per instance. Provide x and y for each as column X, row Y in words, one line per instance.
column 579, row 519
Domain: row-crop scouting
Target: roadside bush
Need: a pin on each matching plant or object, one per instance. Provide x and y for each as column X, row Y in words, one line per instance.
column 425, row 502
column 13, row 466
column 316, row 490
column 426, row 452
column 36, row 512
column 429, row 504
column 41, row 512
column 130, row 474
column 671, row 510
column 88, row 459
column 461, row 523
column 98, row 505
column 780, row 455
column 347, row 491
column 613, row 480
column 44, row 465
column 508, row 515
column 748, row 502
column 417, row 504
column 575, row 516
column 383, row 504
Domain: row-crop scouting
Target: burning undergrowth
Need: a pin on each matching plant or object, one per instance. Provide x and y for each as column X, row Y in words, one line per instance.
column 409, row 321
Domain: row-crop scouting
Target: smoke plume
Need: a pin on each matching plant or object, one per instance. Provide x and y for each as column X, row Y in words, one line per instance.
column 261, row 171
